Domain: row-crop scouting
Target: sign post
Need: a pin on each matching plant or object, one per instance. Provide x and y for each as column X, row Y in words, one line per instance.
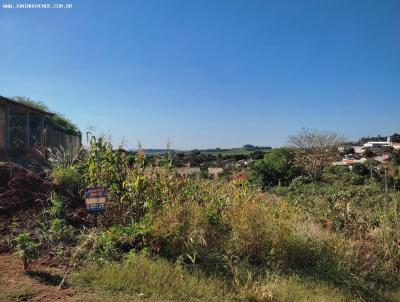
column 95, row 200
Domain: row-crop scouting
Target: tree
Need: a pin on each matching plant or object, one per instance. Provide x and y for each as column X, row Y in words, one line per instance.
column 395, row 138
column 348, row 150
column 277, row 167
column 368, row 153
column 396, row 157
column 361, row 169
column 371, row 164
column 315, row 150
column 238, row 157
column 257, row 155
column 195, row 152
column 249, row 147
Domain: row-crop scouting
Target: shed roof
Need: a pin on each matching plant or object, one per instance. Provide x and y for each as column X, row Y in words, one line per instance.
column 15, row 103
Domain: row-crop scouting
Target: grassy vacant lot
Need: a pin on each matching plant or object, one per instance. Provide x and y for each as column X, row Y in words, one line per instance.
column 142, row 279
column 168, row 238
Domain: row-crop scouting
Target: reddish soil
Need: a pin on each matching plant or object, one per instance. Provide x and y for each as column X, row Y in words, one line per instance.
column 23, row 194
column 38, row 285
column 21, row 189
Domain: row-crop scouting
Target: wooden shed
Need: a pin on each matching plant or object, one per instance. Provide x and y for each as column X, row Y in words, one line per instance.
column 26, row 131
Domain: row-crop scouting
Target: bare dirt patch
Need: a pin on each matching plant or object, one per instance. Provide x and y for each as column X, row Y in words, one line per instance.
column 32, row 286
column 22, row 189
column 24, row 194
column 40, row 284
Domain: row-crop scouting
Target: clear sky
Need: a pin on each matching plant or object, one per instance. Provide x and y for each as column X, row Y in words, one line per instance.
column 208, row 73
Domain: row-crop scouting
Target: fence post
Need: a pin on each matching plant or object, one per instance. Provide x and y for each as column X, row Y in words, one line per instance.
column 27, row 132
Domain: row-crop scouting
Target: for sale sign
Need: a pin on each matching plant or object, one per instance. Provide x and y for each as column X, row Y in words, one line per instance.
column 95, row 199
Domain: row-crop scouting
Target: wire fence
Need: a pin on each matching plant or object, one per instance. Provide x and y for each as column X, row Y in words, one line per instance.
column 55, row 138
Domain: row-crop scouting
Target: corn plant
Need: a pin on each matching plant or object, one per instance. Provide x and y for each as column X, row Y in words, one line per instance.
column 105, row 166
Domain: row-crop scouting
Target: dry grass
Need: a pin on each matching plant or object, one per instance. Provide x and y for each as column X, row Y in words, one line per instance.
column 152, row 279
column 159, row 279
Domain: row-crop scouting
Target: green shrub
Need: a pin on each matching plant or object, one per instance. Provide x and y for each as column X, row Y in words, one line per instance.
column 58, row 228
column 26, row 249
column 56, row 205
column 276, row 168
column 339, row 170
column 352, row 178
column 68, row 177
column 361, row 169
column 111, row 244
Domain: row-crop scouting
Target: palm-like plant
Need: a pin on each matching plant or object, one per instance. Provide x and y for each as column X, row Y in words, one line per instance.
column 26, row 248
column 61, row 158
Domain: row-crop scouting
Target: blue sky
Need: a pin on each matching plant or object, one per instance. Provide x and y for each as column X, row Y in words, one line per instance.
column 208, row 73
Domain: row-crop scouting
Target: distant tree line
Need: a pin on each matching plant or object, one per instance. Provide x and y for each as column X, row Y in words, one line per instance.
column 197, row 158
column 310, row 155
column 252, row 147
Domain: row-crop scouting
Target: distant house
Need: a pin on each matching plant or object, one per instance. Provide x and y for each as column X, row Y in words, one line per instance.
column 349, row 162
column 243, row 163
column 26, row 131
column 378, row 146
column 188, row 171
column 388, row 143
column 383, row 158
column 358, row 149
column 215, row 171
column 375, row 146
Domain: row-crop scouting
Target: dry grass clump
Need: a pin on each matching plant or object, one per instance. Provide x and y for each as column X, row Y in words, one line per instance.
column 235, row 222
column 160, row 279
column 155, row 278
column 258, row 230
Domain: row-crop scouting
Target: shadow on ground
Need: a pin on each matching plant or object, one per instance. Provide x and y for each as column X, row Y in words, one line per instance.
column 45, row 277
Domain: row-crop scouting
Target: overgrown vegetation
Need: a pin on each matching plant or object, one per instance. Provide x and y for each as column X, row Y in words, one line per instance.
column 159, row 279
column 57, row 120
column 326, row 238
